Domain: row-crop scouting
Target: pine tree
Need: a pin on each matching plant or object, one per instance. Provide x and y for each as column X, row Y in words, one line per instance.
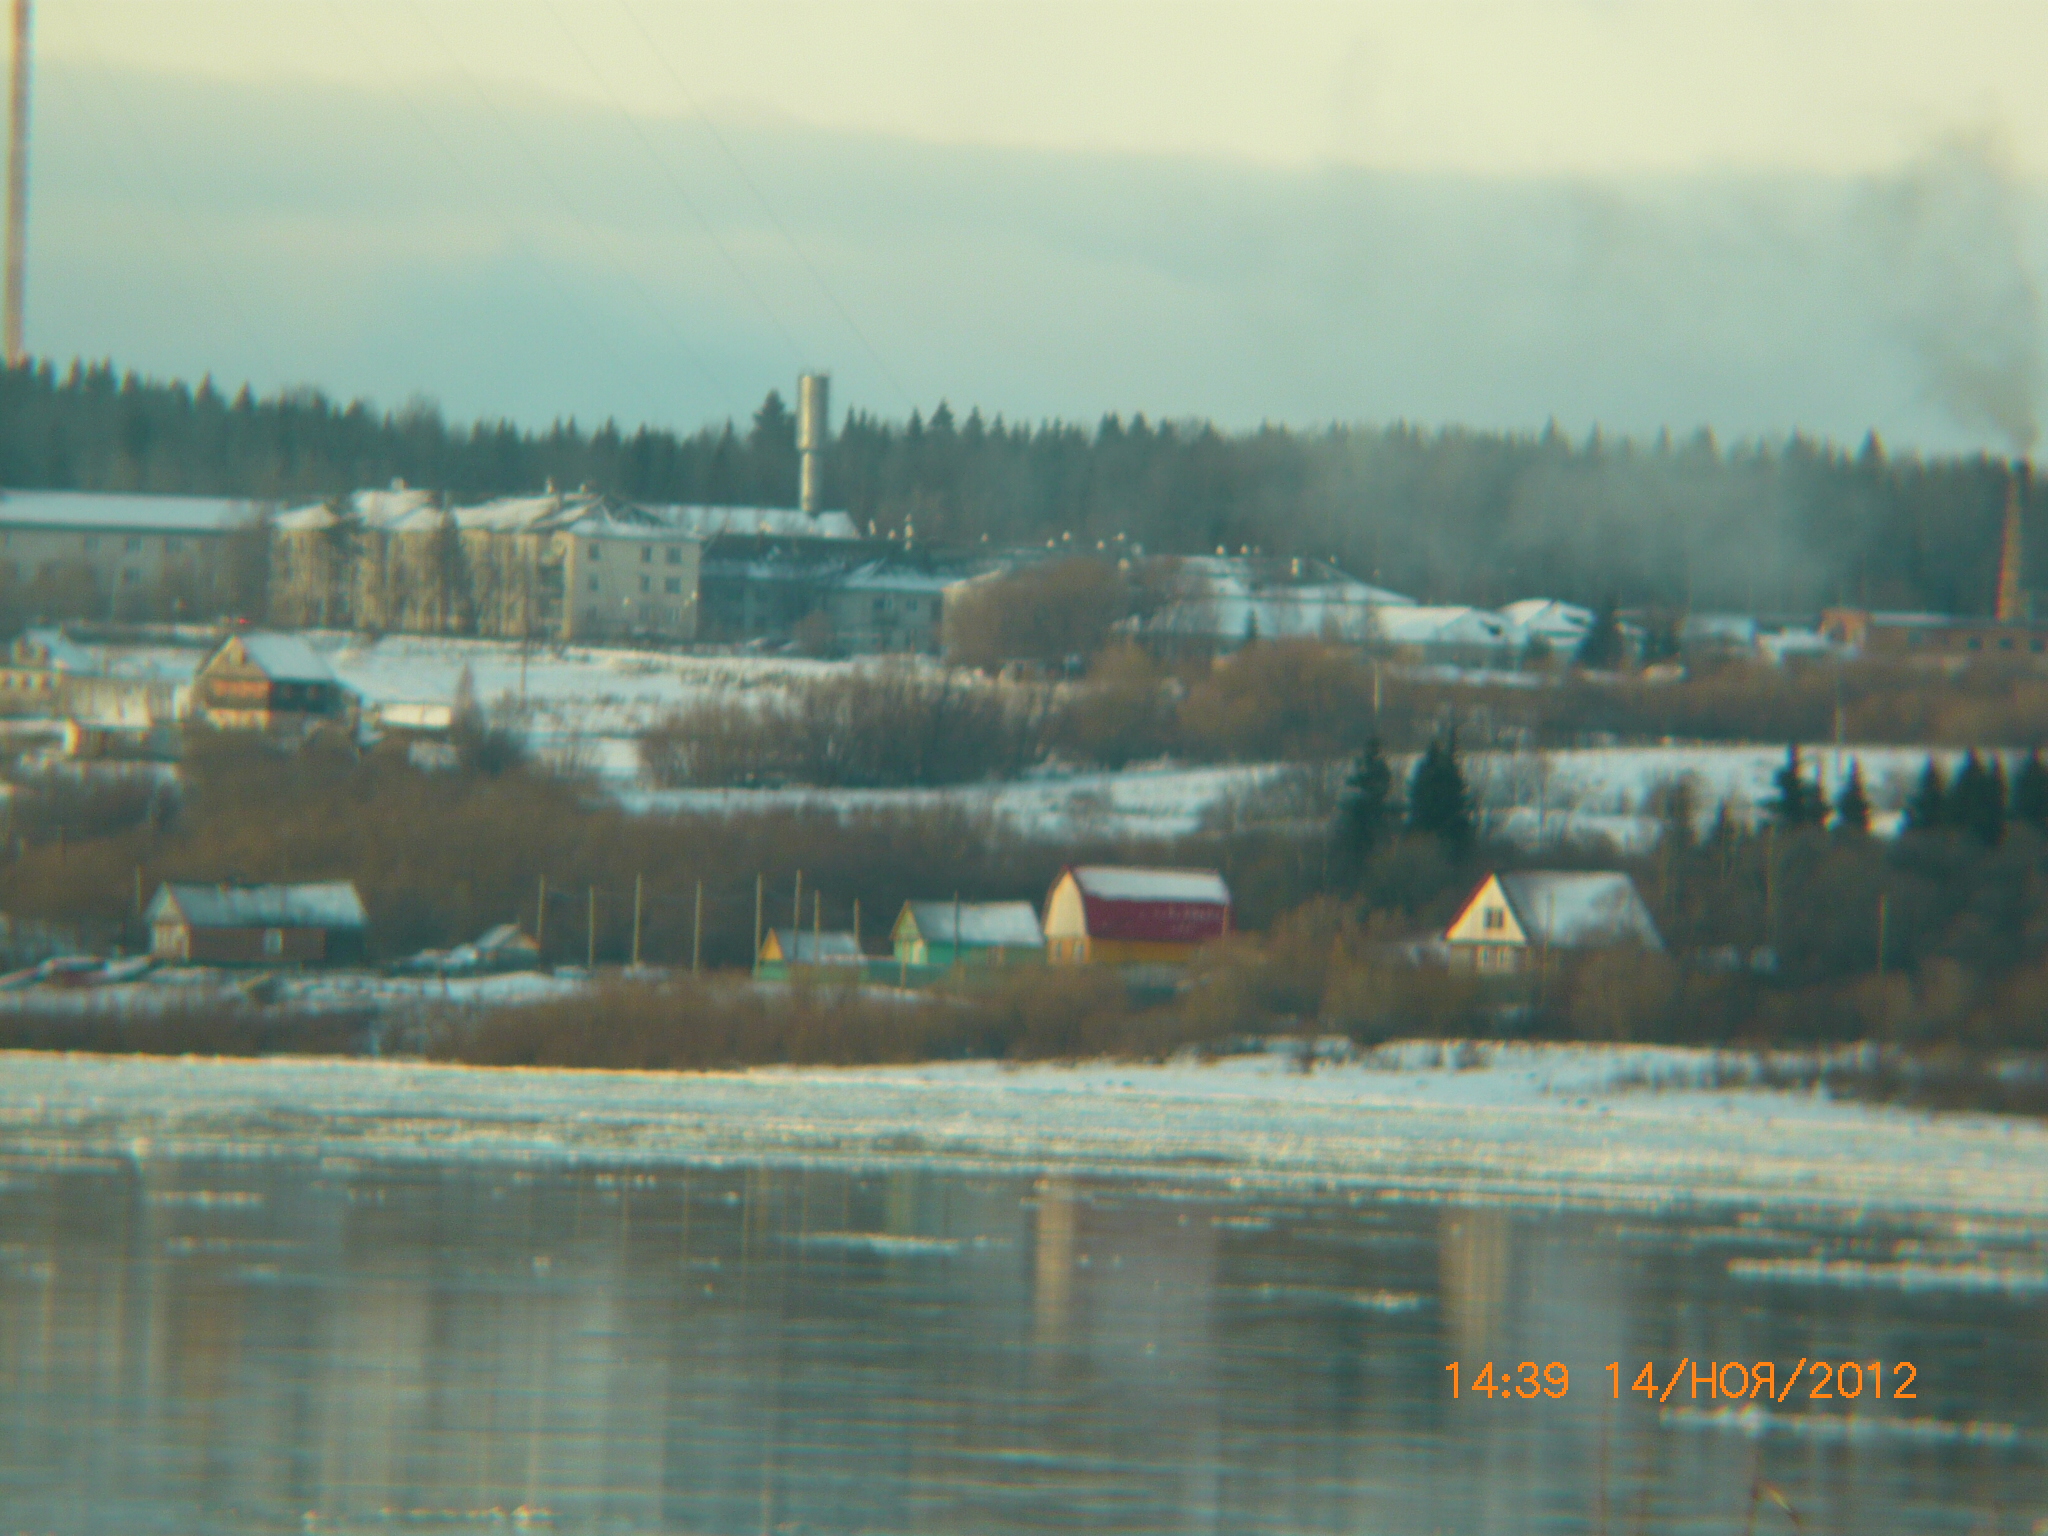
column 1439, row 804
column 1799, row 802
column 2030, row 793
column 1604, row 648
column 1365, row 812
column 1852, row 805
column 1976, row 801
column 1927, row 808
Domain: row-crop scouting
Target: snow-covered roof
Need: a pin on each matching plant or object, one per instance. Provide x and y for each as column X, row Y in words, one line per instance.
column 324, row 904
column 309, row 519
column 284, row 658
column 1549, row 618
column 53, row 648
column 1580, row 909
column 111, row 511
column 804, row 947
column 1230, row 597
column 1116, row 882
column 756, row 522
column 1443, row 626
column 977, row 924
column 882, row 576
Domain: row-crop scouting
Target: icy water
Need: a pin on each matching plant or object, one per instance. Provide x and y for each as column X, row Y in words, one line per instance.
column 297, row 1345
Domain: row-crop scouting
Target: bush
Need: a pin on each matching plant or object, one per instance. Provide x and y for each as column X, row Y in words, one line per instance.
column 1047, row 614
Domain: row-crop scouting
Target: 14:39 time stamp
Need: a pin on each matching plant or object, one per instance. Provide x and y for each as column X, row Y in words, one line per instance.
column 1732, row 1379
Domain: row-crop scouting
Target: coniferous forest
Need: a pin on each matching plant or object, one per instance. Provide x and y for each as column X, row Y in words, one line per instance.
column 1445, row 514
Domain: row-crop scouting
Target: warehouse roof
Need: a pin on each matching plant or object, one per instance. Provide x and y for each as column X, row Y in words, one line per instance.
column 323, row 904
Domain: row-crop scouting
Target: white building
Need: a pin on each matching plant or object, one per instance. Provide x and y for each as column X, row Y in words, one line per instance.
column 129, row 554
column 1446, row 636
column 1215, row 603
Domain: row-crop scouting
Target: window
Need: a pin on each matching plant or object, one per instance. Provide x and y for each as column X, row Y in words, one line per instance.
column 1976, row 642
column 1492, row 918
column 134, row 546
column 910, row 605
column 91, row 544
column 646, row 583
column 673, row 586
column 2005, row 645
column 675, row 554
column 593, row 583
column 173, row 546
column 273, row 943
column 881, row 604
column 130, row 578
column 647, row 554
column 593, row 551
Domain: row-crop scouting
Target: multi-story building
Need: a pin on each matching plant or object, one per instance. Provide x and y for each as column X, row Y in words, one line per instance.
column 554, row 567
column 116, row 555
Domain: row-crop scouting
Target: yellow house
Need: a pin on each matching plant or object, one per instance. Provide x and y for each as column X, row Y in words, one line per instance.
column 1512, row 918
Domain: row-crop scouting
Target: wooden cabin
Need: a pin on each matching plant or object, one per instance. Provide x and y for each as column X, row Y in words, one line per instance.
column 786, row 951
column 262, row 682
column 317, row 924
column 1512, row 920
column 1103, row 914
column 943, row 934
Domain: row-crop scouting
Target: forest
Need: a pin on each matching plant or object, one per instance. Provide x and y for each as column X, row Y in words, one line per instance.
column 1446, row 514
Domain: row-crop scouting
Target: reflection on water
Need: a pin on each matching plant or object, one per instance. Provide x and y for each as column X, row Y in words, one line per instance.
column 273, row 1346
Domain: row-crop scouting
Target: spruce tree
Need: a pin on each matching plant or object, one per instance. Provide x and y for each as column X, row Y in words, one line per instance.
column 1365, row 812
column 1604, row 648
column 2030, row 793
column 1799, row 802
column 1439, row 804
column 1927, row 807
column 1976, row 801
column 1852, row 805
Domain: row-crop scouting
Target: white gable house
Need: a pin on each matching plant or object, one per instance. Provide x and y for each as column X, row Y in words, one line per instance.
column 1513, row 920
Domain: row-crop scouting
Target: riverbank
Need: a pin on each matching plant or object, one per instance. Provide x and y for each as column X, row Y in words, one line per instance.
column 1582, row 1126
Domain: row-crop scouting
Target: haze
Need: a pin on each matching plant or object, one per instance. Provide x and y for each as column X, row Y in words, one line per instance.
column 1824, row 217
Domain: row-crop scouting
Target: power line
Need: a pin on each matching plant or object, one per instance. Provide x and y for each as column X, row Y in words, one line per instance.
column 562, row 290
column 682, row 193
column 539, row 174
column 767, row 207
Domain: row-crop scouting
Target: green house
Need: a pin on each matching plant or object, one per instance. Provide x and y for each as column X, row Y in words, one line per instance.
column 939, row 935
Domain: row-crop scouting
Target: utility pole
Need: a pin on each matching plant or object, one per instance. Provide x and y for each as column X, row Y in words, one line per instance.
column 540, row 915
column 636, row 921
column 17, row 186
column 796, row 915
column 697, row 931
column 756, row 961
column 1884, row 905
column 590, row 956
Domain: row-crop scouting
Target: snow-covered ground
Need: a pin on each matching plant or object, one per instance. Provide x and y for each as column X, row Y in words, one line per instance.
column 588, row 704
column 1556, row 1125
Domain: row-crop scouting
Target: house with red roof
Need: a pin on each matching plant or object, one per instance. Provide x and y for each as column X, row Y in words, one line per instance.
column 1106, row 914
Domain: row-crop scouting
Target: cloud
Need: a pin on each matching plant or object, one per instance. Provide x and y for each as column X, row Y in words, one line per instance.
column 513, row 254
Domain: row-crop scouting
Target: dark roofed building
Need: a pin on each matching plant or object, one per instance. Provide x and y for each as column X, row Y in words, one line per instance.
column 315, row 924
column 261, row 681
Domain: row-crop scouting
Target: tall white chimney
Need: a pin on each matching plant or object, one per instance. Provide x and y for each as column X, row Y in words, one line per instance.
column 813, row 430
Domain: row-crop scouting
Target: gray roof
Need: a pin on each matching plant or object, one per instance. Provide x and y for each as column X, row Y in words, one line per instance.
column 756, row 522
column 982, row 924
column 804, row 947
column 109, row 511
column 1580, row 910
column 326, row 904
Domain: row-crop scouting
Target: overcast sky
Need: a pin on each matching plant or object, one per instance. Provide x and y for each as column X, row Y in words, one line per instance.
column 1763, row 217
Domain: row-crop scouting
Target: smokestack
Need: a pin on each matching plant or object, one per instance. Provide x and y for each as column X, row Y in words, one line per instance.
column 17, row 185
column 813, row 430
column 2012, row 599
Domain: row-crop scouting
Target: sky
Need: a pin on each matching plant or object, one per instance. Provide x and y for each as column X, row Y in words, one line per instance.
column 1636, row 214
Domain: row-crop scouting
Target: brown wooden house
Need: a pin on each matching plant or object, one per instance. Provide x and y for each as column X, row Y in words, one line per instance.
column 318, row 924
column 261, row 681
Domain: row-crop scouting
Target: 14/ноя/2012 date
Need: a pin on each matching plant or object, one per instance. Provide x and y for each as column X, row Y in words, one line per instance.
column 1730, row 1380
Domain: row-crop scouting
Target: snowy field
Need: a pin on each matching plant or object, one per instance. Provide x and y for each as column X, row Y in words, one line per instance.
column 1575, row 1126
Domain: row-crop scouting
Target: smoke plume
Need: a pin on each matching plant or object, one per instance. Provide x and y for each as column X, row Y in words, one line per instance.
column 1953, row 265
